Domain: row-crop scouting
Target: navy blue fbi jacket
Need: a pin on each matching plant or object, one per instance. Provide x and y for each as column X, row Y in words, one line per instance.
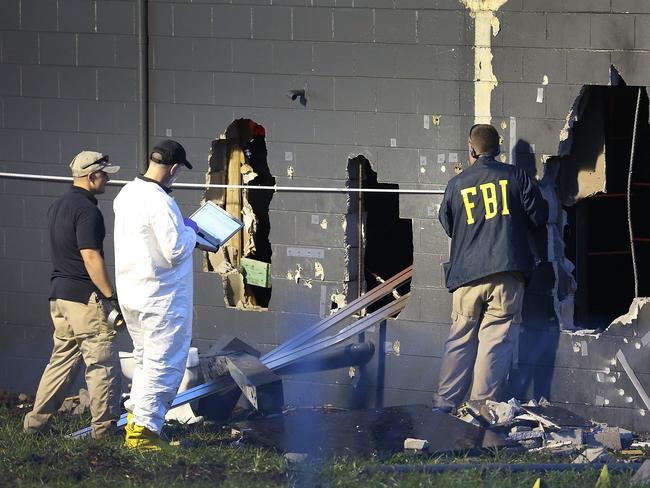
column 487, row 211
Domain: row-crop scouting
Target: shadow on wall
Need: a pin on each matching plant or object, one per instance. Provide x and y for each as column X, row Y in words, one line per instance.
column 539, row 334
column 588, row 280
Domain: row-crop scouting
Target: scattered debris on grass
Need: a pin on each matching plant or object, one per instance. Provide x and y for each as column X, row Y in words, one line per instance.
column 12, row 400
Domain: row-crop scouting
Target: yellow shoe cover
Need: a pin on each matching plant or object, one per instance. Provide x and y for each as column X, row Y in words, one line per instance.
column 143, row 439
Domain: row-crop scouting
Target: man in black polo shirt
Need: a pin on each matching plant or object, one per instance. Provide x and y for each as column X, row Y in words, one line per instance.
column 79, row 282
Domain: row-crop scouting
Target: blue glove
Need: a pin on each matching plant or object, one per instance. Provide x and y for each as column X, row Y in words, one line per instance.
column 190, row 223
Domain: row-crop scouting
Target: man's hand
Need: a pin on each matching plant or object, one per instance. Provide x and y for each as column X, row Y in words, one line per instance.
column 114, row 302
column 112, row 310
column 190, row 223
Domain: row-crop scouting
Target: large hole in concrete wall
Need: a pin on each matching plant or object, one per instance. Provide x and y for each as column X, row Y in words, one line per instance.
column 239, row 158
column 593, row 188
column 385, row 241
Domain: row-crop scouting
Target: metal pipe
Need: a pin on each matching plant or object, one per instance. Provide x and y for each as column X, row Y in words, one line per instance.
column 360, row 244
column 629, row 196
column 510, row 468
column 143, row 85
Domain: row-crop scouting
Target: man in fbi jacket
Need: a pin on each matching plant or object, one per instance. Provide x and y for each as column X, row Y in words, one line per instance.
column 487, row 211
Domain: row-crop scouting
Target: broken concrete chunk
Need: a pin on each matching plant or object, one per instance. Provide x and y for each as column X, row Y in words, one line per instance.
column 574, row 436
column 610, row 438
column 531, row 444
column 84, row 402
column 502, row 412
column 295, row 457
column 78, row 404
column 537, row 418
column 592, row 454
column 69, row 404
column 554, row 445
column 525, row 435
column 417, row 444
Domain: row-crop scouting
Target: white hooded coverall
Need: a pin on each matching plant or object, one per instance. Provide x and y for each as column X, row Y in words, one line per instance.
column 153, row 269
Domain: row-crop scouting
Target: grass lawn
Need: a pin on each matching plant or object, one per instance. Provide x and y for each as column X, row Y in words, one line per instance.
column 213, row 459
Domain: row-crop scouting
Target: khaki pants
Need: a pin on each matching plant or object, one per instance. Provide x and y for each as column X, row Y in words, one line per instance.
column 485, row 316
column 80, row 330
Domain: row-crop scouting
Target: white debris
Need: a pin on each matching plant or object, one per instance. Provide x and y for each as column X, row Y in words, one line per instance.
column 417, row 444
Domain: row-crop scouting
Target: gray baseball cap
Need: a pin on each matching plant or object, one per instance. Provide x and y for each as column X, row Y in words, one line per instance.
column 87, row 162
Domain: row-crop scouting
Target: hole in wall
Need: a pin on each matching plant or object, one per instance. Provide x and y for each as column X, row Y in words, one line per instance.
column 239, row 157
column 384, row 241
column 593, row 189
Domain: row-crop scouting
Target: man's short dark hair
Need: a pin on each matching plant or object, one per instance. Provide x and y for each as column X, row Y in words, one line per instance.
column 484, row 138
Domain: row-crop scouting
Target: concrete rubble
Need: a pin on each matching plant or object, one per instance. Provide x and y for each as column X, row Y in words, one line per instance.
column 530, row 427
column 77, row 404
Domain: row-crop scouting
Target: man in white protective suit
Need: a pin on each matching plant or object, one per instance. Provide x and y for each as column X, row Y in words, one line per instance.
column 153, row 269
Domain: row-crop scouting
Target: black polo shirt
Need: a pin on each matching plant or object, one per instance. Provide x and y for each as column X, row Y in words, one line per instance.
column 74, row 223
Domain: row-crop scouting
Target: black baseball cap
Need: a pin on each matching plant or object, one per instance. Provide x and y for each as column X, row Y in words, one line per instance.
column 169, row 152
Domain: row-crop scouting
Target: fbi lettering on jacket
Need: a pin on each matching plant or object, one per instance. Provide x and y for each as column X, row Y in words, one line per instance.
column 495, row 200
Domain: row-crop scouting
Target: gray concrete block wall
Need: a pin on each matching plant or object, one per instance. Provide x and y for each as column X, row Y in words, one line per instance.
column 68, row 83
column 374, row 73
column 565, row 45
column 392, row 80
